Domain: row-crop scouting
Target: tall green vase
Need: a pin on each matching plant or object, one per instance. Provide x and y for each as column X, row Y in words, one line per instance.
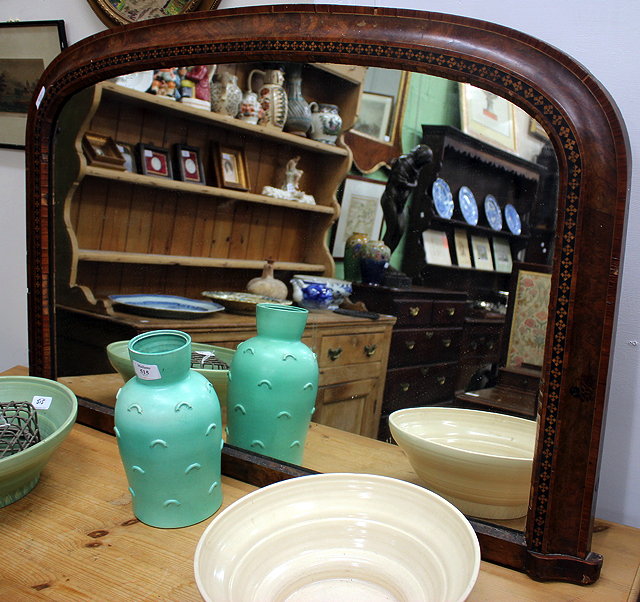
column 169, row 431
column 273, row 383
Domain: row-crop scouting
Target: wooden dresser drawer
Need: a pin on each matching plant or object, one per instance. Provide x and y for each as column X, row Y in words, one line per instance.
column 412, row 312
column 418, row 386
column 447, row 312
column 344, row 349
column 424, row 345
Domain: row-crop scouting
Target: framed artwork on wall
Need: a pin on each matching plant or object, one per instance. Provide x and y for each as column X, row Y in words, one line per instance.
column 361, row 211
column 154, row 161
column 482, row 259
column 463, row 255
column 487, row 116
column 436, row 247
column 374, row 115
column 188, row 164
column 26, row 48
column 102, row 151
column 230, row 167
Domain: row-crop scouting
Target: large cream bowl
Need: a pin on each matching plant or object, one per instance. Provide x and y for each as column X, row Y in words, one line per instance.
column 338, row 537
column 479, row 461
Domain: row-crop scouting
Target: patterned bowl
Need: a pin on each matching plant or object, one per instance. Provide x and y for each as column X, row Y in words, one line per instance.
column 318, row 292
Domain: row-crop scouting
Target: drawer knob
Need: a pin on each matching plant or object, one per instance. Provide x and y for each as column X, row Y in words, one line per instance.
column 414, row 311
column 491, row 346
column 334, row 354
column 441, row 380
column 410, row 344
column 451, row 311
column 429, row 334
column 369, row 350
column 404, row 387
column 446, row 342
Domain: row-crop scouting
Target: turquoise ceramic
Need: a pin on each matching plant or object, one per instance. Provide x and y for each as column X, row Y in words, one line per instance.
column 169, row 432
column 273, row 383
column 20, row 472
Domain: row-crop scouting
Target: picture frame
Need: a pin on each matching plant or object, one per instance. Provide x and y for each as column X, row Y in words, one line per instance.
column 360, row 211
column 461, row 242
column 374, row 115
column 131, row 11
column 230, row 167
column 153, row 161
column 101, row 151
column 502, row 255
column 436, row 247
column 26, row 48
column 128, row 153
column 487, row 116
column 188, row 164
column 482, row 259
column 536, row 130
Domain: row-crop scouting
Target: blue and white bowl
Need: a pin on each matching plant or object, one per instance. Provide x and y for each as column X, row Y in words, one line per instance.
column 318, row 292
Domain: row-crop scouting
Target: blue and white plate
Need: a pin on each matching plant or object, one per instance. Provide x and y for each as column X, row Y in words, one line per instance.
column 492, row 212
column 442, row 198
column 468, row 205
column 512, row 217
column 165, row 306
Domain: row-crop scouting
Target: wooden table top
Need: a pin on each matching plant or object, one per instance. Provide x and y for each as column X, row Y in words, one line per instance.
column 75, row 537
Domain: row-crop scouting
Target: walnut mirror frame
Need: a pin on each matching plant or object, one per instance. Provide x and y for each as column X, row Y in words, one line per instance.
column 589, row 139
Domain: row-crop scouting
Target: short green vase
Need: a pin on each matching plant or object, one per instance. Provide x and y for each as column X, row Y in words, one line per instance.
column 169, row 431
column 273, row 383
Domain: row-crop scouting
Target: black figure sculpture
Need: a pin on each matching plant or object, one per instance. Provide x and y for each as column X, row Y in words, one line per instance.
column 402, row 180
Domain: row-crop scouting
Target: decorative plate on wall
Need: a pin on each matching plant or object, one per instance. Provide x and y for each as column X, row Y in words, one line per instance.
column 468, row 205
column 442, row 198
column 121, row 12
column 512, row 217
column 492, row 212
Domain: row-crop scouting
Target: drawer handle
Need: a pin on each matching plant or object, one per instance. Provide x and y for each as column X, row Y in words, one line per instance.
column 491, row 346
column 441, row 380
column 410, row 344
column 414, row 311
column 334, row 354
column 446, row 342
column 404, row 387
column 451, row 311
column 429, row 334
column 369, row 350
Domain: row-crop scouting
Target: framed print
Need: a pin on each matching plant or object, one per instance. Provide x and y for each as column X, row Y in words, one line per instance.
column 502, row 255
column 482, row 259
column 374, row 115
column 463, row 255
column 488, row 117
column 536, row 130
column 129, row 155
column 102, row 151
column 26, row 48
column 188, row 165
column 360, row 211
column 121, row 12
column 436, row 247
column 231, row 168
column 153, row 161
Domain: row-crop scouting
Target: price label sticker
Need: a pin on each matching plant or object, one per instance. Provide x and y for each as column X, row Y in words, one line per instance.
column 146, row 371
column 39, row 402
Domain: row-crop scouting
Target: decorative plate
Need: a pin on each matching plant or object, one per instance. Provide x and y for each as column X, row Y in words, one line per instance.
column 121, row 12
column 442, row 198
column 242, row 303
column 492, row 212
column 165, row 306
column 139, row 80
column 512, row 217
column 468, row 205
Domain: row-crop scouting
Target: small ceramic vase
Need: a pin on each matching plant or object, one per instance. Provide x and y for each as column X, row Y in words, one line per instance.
column 273, row 383
column 226, row 95
column 298, row 113
column 353, row 249
column 272, row 97
column 267, row 284
column 325, row 122
column 250, row 108
column 169, row 432
column 374, row 261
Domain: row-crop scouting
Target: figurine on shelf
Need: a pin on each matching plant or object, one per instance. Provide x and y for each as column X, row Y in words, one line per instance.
column 195, row 86
column 166, row 83
column 402, row 180
column 290, row 190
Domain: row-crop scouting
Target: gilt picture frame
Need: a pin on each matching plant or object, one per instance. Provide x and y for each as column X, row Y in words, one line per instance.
column 230, row 167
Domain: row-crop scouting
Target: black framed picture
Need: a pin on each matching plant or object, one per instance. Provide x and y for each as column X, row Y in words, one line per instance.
column 187, row 164
column 153, row 161
column 26, row 48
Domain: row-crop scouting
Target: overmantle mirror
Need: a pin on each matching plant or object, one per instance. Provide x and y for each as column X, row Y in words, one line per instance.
column 590, row 144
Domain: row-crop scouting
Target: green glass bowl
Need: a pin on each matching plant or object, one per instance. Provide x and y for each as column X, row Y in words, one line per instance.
column 20, row 472
column 118, row 354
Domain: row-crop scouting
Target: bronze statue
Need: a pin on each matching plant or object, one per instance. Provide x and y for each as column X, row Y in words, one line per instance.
column 402, row 180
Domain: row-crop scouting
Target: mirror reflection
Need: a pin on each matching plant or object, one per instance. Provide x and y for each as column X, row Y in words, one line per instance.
column 233, row 179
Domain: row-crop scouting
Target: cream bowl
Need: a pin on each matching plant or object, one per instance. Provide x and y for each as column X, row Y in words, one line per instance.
column 338, row 537
column 480, row 461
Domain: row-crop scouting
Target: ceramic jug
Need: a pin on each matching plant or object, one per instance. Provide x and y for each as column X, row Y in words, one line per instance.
column 325, row 122
column 272, row 96
column 226, row 95
column 169, row 432
column 273, row 383
column 298, row 113
column 250, row 108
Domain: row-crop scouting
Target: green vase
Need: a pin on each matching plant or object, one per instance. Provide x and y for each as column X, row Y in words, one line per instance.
column 169, row 431
column 273, row 383
column 353, row 249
